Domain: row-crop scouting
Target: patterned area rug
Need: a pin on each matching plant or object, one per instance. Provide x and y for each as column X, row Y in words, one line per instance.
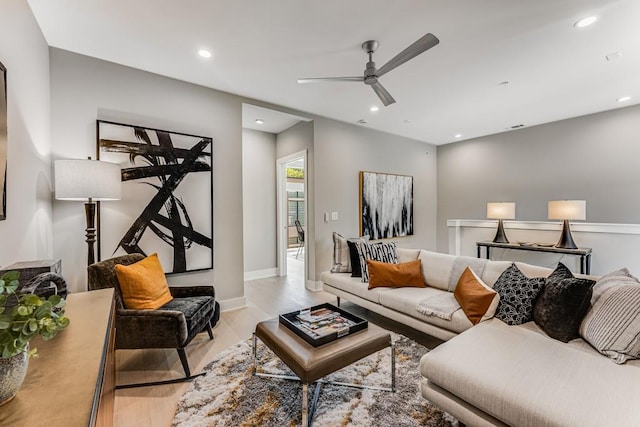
column 230, row 396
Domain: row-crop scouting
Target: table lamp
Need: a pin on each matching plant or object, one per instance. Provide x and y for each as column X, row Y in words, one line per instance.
column 89, row 181
column 500, row 211
column 567, row 210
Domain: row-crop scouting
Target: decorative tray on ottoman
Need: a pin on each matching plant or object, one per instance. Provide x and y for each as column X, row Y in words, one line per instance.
column 322, row 323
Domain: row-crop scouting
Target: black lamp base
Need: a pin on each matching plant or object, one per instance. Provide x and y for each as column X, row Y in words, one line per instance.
column 501, row 237
column 566, row 240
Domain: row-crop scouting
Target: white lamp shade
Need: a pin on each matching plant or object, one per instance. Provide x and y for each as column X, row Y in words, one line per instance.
column 568, row 209
column 501, row 210
column 81, row 179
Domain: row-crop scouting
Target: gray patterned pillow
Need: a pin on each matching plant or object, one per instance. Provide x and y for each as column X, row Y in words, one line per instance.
column 612, row 325
column 382, row 251
column 517, row 295
column 341, row 257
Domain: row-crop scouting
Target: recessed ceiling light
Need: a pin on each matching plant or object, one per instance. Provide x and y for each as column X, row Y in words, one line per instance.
column 585, row 22
column 623, row 99
column 259, row 121
column 362, row 121
column 373, row 109
column 407, row 121
column 458, row 135
column 204, row 53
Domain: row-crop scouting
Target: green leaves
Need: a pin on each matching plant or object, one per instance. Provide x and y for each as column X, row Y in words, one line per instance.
column 22, row 317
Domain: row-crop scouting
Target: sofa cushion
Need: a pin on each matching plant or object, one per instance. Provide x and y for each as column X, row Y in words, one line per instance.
column 405, row 301
column 517, row 295
column 353, row 285
column 530, row 270
column 341, row 254
column 524, row 378
column 382, row 274
column 442, row 271
column 562, row 304
column 143, row 284
column 381, row 251
column 478, row 301
column 406, row 254
column 612, row 325
column 493, row 270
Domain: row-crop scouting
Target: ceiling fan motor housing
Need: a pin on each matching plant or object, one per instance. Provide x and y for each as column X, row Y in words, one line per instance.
column 370, row 77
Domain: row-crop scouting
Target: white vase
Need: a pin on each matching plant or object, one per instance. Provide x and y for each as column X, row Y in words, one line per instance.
column 12, row 372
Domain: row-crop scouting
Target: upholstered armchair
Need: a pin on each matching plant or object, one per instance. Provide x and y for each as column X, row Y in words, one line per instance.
column 173, row 325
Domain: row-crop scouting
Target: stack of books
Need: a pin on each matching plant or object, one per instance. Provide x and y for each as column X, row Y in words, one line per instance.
column 323, row 322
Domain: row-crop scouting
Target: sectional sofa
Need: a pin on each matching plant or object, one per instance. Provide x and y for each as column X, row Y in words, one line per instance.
column 493, row 374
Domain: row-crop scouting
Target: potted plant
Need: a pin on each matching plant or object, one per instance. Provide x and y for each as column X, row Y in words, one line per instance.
column 23, row 317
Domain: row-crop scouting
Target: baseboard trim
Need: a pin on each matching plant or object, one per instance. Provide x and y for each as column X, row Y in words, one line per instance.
column 313, row 286
column 233, row 303
column 260, row 274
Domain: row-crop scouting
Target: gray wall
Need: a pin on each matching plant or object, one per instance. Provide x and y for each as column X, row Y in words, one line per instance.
column 84, row 89
column 592, row 158
column 259, row 199
column 341, row 152
column 27, row 231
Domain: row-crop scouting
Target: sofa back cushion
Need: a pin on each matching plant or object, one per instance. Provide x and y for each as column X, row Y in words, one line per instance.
column 406, row 255
column 493, row 270
column 443, row 271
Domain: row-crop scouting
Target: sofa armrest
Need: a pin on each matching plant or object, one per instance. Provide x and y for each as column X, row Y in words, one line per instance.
column 150, row 329
column 192, row 291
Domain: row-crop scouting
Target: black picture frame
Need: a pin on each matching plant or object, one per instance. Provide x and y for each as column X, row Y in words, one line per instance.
column 4, row 142
column 386, row 205
column 167, row 196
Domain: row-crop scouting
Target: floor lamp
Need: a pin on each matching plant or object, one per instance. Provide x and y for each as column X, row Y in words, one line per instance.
column 88, row 181
column 567, row 210
column 500, row 211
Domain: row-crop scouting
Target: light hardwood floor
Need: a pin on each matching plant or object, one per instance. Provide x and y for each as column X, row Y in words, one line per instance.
column 266, row 298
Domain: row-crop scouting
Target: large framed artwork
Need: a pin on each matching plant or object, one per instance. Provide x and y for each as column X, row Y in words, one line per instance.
column 386, row 205
column 3, row 141
column 167, row 196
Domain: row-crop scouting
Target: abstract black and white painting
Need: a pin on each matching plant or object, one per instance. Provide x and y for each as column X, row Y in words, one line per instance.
column 167, row 196
column 386, row 205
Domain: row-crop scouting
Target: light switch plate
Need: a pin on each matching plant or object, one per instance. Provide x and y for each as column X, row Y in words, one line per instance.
column 334, row 216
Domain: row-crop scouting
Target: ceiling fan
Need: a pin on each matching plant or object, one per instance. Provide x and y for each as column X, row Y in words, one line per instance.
column 372, row 74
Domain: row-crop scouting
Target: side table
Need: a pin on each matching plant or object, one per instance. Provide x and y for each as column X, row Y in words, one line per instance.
column 583, row 253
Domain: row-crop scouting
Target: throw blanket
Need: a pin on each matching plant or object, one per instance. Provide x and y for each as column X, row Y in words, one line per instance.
column 441, row 305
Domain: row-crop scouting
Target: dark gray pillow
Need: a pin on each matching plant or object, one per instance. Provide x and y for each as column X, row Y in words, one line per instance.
column 517, row 295
column 561, row 306
column 356, row 270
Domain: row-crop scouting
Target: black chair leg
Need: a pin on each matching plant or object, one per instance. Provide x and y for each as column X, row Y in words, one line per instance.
column 209, row 330
column 185, row 362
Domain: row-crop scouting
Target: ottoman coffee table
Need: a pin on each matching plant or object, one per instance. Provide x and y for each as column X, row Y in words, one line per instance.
column 310, row 364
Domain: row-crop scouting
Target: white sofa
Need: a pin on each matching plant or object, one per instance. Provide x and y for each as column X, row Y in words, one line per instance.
column 493, row 374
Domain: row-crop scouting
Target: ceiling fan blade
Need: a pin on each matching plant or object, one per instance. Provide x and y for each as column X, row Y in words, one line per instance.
column 383, row 94
column 422, row 44
column 331, row 79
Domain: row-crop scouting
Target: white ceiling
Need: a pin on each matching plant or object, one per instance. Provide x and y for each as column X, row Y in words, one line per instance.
column 260, row 48
column 272, row 121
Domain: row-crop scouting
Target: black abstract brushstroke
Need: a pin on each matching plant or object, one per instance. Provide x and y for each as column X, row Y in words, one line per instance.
column 130, row 240
column 130, row 174
column 113, row 146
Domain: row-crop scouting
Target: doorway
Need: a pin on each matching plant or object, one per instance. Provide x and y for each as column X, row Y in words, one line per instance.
column 292, row 216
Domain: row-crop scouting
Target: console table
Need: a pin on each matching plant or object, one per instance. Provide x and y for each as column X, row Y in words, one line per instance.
column 72, row 381
column 583, row 253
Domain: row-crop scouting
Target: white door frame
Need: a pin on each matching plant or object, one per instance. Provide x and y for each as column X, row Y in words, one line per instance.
column 282, row 237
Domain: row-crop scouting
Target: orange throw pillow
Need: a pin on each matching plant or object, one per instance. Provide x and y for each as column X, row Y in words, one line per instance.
column 478, row 301
column 406, row 274
column 143, row 284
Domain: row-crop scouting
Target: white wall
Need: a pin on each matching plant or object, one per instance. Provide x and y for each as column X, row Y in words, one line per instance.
column 592, row 158
column 341, row 152
column 27, row 231
column 84, row 89
column 259, row 203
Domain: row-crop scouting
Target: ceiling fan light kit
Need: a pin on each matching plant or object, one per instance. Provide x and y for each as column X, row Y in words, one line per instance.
column 372, row 74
